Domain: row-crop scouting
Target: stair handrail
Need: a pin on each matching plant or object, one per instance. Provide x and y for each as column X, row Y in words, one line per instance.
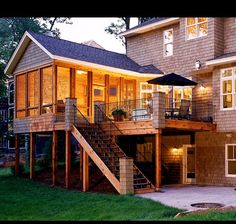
column 111, row 122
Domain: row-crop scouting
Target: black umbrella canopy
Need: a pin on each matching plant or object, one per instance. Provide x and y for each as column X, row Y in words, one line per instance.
column 172, row 79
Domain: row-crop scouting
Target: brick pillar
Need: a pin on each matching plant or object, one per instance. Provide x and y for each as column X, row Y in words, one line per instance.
column 126, row 176
column 70, row 113
column 159, row 102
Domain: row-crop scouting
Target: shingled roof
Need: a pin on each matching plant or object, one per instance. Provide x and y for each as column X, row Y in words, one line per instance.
column 91, row 54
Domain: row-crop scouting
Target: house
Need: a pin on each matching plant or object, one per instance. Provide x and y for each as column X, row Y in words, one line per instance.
column 75, row 89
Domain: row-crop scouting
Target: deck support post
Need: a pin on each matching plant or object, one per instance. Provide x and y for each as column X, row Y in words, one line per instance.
column 54, row 157
column 158, row 159
column 32, row 155
column 68, row 159
column 17, row 154
column 81, row 163
column 85, row 171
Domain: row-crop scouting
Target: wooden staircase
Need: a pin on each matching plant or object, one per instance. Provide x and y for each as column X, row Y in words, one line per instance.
column 105, row 153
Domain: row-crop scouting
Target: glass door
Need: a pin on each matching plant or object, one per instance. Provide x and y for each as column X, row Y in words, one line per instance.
column 189, row 164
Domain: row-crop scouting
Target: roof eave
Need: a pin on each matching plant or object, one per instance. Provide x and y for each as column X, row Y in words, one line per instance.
column 221, row 61
column 104, row 67
column 150, row 27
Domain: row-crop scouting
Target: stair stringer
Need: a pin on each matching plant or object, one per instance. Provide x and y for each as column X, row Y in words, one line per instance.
column 96, row 159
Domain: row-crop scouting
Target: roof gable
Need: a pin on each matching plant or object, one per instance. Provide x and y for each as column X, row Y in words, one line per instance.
column 32, row 56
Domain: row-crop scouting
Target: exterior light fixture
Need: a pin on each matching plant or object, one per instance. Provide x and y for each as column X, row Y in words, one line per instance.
column 175, row 150
column 80, row 72
column 198, row 64
column 202, row 87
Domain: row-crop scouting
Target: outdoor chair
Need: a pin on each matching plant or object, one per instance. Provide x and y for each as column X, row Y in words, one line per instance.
column 183, row 110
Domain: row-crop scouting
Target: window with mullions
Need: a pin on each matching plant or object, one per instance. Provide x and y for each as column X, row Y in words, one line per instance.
column 230, row 160
column 168, row 42
column 228, row 88
column 11, row 93
column 196, row 27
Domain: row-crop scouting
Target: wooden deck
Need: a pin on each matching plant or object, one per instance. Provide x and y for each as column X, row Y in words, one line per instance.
column 145, row 126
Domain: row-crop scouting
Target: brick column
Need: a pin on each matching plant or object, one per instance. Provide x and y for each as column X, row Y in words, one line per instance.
column 70, row 113
column 159, row 103
column 126, row 176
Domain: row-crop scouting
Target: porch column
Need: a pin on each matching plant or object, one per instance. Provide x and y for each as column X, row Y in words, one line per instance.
column 70, row 113
column 90, row 94
column 158, row 159
column 85, row 171
column 54, row 157
column 32, row 155
column 159, row 103
column 68, row 159
column 126, row 175
column 17, row 154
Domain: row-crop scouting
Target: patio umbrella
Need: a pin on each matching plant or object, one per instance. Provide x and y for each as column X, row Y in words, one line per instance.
column 172, row 79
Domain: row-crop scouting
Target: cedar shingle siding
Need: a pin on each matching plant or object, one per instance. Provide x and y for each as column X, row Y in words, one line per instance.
column 32, row 57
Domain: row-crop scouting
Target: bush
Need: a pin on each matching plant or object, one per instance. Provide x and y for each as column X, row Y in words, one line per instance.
column 118, row 112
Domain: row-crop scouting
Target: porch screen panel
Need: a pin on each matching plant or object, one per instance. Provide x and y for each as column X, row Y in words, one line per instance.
column 63, row 83
column 114, row 89
column 81, row 92
column 47, row 89
column 33, row 92
column 20, row 95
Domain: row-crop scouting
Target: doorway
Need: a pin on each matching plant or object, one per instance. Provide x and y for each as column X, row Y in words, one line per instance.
column 189, row 164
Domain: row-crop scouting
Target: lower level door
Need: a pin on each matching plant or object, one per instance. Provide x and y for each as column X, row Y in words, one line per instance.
column 189, row 164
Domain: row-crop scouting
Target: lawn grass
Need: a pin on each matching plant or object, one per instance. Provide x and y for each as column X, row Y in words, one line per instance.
column 23, row 199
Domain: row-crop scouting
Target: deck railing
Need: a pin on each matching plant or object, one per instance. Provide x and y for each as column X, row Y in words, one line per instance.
column 198, row 109
column 133, row 109
column 190, row 109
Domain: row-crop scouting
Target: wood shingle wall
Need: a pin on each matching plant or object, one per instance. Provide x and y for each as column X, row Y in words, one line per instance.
column 32, row 57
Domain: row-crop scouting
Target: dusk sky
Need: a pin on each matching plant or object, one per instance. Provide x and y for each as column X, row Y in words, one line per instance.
column 93, row 28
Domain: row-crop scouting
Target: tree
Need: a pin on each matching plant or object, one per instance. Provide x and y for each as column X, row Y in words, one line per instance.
column 11, row 31
column 123, row 24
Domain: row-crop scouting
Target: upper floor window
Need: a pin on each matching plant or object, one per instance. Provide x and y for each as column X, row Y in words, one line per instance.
column 228, row 88
column 168, row 42
column 196, row 27
column 11, row 93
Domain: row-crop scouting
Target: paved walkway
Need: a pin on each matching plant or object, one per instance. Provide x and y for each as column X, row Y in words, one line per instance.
column 184, row 195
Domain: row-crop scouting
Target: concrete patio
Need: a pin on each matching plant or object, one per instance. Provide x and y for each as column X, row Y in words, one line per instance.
column 182, row 196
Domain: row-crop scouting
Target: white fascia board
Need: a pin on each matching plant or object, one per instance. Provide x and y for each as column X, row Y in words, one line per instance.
column 20, row 50
column 104, row 67
column 149, row 27
column 221, row 61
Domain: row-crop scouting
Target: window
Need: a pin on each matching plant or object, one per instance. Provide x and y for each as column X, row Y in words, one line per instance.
column 180, row 93
column 46, row 82
column 63, row 83
column 20, row 95
column 228, row 88
column 112, row 91
column 11, row 93
column 3, row 115
column 230, row 160
column 146, row 90
column 196, row 27
column 33, row 92
column 168, row 42
column 10, row 114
